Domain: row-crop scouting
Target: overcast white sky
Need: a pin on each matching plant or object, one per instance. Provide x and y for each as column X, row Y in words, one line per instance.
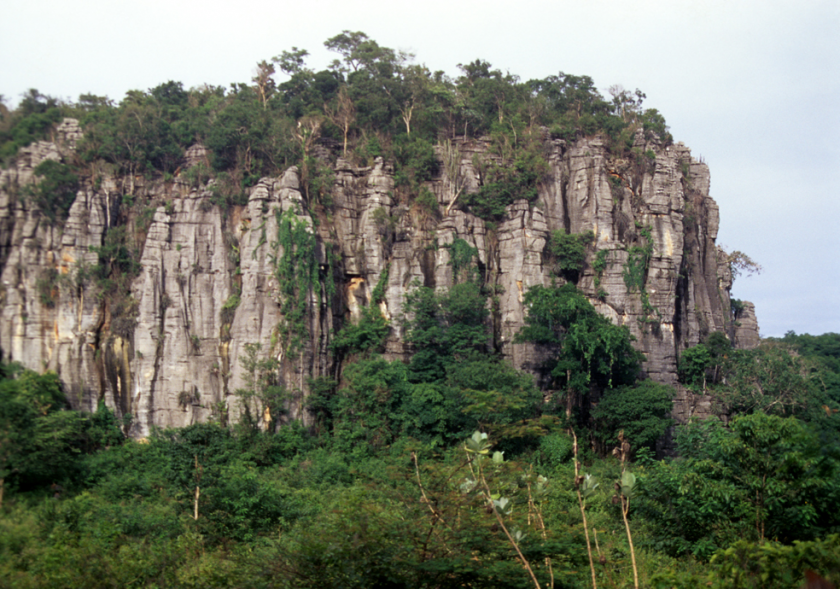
column 752, row 86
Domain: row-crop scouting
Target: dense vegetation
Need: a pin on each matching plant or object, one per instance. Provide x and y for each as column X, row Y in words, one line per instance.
column 372, row 101
column 392, row 488
column 451, row 469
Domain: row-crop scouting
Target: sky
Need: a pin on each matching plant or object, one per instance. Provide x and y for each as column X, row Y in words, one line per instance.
column 751, row 86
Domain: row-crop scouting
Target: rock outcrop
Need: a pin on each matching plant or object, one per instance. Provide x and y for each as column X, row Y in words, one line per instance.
column 746, row 327
column 168, row 349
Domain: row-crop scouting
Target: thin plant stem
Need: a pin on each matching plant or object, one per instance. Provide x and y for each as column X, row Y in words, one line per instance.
column 583, row 512
column 489, row 498
column 540, row 524
column 199, row 470
column 625, row 507
column 423, row 491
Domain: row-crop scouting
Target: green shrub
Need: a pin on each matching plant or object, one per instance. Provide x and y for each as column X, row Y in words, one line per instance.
column 416, row 162
column 56, row 189
column 427, row 201
column 461, row 256
column 693, row 365
column 598, row 266
column 297, row 274
column 555, row 449
column 366, row 336
column 638, row 261
column 569, row 251
column 592, row 351
column 229, row 308
column 642, row 412
column 31, row 121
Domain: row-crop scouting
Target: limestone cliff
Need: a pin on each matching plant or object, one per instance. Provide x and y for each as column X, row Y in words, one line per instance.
column 169, row 351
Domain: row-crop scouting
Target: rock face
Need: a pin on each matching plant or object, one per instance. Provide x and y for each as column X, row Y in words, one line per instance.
column 746, row 327
column 168, row 349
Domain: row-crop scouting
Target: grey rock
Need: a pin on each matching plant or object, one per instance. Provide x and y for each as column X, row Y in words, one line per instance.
column 746, row 328
column 182, row 360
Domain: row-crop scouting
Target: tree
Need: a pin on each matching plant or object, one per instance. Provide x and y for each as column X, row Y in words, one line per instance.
column 32, row 120
column 774, row 460
column 703, row 364
column 359, row 51
column 56, row 189
column 343, row 115
column 367, row 410
column 741, row 264
column 307, row 132
column 488, row 95
column 445, row 328
column 762, row 476
column 569, row 251
column 768, row 378
column 413, row 87
column 264, row 81
column 347, row 44
column 642, row 412
column 625, row 104
column 578, row 107
column 291, row 62
column 759, row 451
column 39, row 441
column 590, row 350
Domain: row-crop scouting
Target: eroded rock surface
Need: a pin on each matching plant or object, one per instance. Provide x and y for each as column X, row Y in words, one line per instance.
column 169, row 351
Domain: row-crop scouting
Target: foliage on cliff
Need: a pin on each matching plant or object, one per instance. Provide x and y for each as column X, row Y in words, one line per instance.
column 372, row 101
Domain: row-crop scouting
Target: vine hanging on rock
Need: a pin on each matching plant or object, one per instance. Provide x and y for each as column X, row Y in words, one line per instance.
column 296, row 271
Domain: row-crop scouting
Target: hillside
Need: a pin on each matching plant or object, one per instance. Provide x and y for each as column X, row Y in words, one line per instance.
column 146, row 247
column 372, row 326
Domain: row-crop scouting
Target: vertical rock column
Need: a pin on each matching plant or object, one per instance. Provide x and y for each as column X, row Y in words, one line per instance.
column 186, row 278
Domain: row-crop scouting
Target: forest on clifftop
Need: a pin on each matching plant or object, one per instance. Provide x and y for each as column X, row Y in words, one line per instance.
column 371, row 102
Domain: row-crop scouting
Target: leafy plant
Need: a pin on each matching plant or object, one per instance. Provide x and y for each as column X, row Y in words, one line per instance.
column 569, row 251
column 599, row 265
column 642, row 412
column 477, row 448
column 589, row 349
column 461, row 256
column 638, row 262
column 516, row 178
column 55, row 190
column 585, row 486
column 262, row 390
column 635, row 273
column 297, row 273
column 445, row 328
column 367, row 335
column 229, row 308
column 626, row 489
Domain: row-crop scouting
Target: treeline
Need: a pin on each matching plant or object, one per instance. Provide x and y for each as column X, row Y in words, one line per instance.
column 392, row 487
column 371, row 101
